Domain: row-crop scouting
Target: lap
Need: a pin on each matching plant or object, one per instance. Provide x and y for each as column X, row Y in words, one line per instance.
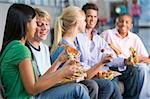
column 64, row 91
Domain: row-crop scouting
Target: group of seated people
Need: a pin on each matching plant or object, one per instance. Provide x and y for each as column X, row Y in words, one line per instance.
column 70, row 70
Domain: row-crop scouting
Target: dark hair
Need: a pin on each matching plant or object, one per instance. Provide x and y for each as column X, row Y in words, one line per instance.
column 88, row 6
column 18, row 16
column 124, row 14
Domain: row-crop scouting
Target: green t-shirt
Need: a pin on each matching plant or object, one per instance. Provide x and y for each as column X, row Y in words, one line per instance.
column 14, row 53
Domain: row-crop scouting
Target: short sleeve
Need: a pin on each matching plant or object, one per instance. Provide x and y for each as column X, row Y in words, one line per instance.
column 18, row 53
column 55, row 55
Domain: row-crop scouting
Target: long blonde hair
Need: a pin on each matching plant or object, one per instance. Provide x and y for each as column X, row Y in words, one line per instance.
column 67, row 19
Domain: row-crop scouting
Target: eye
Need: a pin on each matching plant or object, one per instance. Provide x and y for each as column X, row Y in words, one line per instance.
column 88, row 16
column 47, row 24
column 39, row 24
column 95, row 16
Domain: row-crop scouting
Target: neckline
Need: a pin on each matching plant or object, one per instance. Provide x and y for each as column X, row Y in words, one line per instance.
column 37, row 49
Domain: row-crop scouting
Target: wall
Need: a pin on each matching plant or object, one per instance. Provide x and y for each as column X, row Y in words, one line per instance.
column 53, row 11
column 3, row 12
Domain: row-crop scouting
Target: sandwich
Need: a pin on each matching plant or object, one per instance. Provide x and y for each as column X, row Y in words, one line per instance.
column 133, row 56
column 74, row 56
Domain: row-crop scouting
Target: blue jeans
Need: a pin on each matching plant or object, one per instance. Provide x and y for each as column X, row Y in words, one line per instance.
column 144, row 71
column 117, row 93
column 130, row 78
column 65, row 91
column 107, row 89
column 141, row 69
column 92, row 88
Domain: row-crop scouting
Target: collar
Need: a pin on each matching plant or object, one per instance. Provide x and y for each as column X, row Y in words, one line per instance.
column 94, row 32
column 115, row 31
column 66, row 42
column 37, row 49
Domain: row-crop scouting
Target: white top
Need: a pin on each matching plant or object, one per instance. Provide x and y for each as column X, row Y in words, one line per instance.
column 42, row 58
column 91, row 51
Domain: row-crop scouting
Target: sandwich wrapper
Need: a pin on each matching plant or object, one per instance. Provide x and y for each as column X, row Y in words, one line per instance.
column 74, row 56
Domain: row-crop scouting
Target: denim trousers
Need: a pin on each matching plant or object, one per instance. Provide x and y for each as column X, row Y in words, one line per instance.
column 65, row 91
column 108, row 90
column 92, row 88
column 130, row 77
column 144, row 71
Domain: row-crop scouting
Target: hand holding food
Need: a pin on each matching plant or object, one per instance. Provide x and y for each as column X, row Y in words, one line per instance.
column 74, row 56
column 78, row 73
column 116, row 50
column 133, row 57
column 106, row 57
column 63, row 57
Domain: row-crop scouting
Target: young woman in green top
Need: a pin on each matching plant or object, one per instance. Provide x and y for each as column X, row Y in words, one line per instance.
column 16, row 71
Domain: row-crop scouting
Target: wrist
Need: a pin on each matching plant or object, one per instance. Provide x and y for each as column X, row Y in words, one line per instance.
column 99, row 65
column 58, row 62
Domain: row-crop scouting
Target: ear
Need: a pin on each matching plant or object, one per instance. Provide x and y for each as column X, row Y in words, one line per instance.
column 131, row 26
column 76, row 22
column 116, row 25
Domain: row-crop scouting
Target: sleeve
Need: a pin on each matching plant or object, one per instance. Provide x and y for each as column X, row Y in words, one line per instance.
column 21, row 52
column 55, row 55
column 107, row 48
column 141, row 50
column 117, row 62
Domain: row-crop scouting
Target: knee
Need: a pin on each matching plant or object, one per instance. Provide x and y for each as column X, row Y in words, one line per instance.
column 141, row 68
column 91, row 85
column 106, row 85
column 81, row 90
column 109, row 85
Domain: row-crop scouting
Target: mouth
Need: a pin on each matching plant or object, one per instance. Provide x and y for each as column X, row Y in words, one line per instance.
column 123, row 28
column 92, row 23
column 41, row 33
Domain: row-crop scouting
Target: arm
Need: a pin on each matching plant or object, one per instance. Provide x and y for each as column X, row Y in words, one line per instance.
column 44, row 82
column 144, row 59
column 32, row 87
column 96, row 68
column 118, row 62
column 116, row 50
column 61, row 59
column 93, row 71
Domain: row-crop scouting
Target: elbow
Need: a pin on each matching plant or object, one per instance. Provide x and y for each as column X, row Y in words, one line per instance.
column 31, row 92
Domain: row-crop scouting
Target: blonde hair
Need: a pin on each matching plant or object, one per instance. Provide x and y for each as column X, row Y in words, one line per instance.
column 41, row 14
column 64, row 22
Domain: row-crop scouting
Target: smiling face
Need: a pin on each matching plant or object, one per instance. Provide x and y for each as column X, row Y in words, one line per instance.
column 31, row 28
column 124, row 24
column 91, row 18
column 43, row 27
